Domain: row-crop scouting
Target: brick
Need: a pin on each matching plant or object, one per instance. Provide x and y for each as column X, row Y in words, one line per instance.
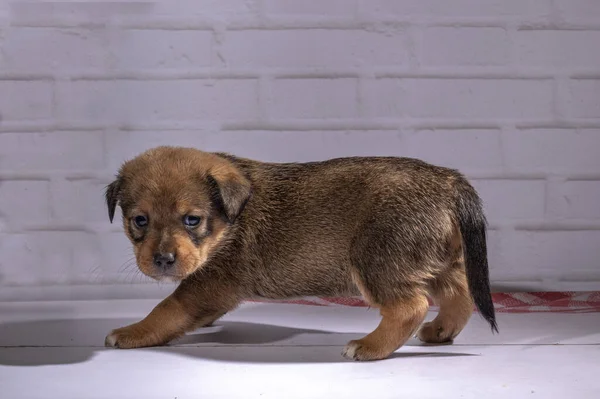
column 24, row 202
column 43, row 258
column 122, row 146
column 132, row 100
column 4, row 16
column 75, row 12
column 525, row 199
column 51, row 151
column 317, row 8
column 494, row 248
column 142, row 49
column 384, row 97
column 558, row 49
column 562, row 151
column 459, row 98
column 306, row 146
column 585, row 98
column 23, row 100
column 91, row 101
column 53, row 49
column 57, row 257
column 468, row 150
column 97, row 11
column 217, row 9
column 575, row 11
column 457, row 8
column 314, row 98
column 29, row 269
column 465, row 46
column 576, row 200
column 314, row 48
column 570, row 255
column 79, row 202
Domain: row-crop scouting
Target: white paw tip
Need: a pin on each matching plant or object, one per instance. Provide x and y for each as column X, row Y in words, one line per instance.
column 349, row 351
column 110, row 340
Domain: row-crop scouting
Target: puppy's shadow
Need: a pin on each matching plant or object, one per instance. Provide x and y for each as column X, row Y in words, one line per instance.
column 54, row 342
column 244, row 333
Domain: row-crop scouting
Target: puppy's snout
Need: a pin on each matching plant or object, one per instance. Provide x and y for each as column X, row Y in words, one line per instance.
column 164, row 261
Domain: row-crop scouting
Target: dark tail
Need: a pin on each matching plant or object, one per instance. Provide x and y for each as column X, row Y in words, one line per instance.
column 473, row 224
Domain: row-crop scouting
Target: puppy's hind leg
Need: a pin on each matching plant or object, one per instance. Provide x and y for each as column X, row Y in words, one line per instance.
column 400, row 319
column 452, row 294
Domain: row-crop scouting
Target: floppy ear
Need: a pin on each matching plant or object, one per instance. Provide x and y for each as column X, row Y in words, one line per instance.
column 230, row 191
column 112, row 197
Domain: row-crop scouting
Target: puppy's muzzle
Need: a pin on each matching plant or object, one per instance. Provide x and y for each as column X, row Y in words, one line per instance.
column 164, row 261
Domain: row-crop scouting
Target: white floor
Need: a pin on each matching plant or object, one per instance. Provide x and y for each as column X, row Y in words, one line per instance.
column 55, row 350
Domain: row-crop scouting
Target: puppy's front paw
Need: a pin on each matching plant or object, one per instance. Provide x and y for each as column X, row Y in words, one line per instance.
column 128, row 338
column 362, row 350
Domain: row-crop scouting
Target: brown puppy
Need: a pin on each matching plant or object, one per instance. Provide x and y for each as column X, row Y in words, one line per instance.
column 395, row 230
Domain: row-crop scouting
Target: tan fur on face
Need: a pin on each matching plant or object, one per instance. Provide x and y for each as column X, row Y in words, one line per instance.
column 165, row 195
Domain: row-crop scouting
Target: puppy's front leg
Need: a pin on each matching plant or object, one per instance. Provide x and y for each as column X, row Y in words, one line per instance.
column 167, row 321
column 195, row 303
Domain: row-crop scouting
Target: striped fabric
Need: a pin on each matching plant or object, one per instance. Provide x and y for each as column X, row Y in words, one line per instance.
column 515, row 302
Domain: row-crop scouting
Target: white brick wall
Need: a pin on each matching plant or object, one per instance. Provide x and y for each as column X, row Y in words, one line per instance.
column 508, row 91
column 448, row 46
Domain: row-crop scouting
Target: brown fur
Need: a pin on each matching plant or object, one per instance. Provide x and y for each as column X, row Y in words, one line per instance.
column 386, row 228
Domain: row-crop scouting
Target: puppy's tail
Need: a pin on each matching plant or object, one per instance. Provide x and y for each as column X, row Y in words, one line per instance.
column 472, row 224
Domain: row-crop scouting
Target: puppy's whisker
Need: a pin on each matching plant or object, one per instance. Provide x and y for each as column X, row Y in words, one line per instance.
column 128, row 263
column 126, row 270
column 135, row 275
column 126, row 277
column 95, row 274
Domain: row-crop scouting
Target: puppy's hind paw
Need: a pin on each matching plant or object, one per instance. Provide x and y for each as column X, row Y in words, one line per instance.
column 436, row 333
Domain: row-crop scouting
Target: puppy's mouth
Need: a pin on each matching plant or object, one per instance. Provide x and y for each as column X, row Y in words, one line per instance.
column 171, row 275
column 169, row 279
column 169, row 265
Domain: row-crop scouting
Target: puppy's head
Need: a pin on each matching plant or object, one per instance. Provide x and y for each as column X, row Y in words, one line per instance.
column 178, row 205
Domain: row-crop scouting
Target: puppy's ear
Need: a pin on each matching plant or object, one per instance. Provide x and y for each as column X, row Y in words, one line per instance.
column 230, row 191
column 113, row 191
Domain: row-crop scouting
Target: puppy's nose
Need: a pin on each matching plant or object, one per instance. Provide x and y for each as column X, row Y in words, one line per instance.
column 164, row 260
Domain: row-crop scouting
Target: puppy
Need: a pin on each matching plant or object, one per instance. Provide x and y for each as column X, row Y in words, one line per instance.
column 394, row 230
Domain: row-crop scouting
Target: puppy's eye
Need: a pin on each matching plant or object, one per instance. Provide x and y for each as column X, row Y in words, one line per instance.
column 191, row 221
column 140, row 221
